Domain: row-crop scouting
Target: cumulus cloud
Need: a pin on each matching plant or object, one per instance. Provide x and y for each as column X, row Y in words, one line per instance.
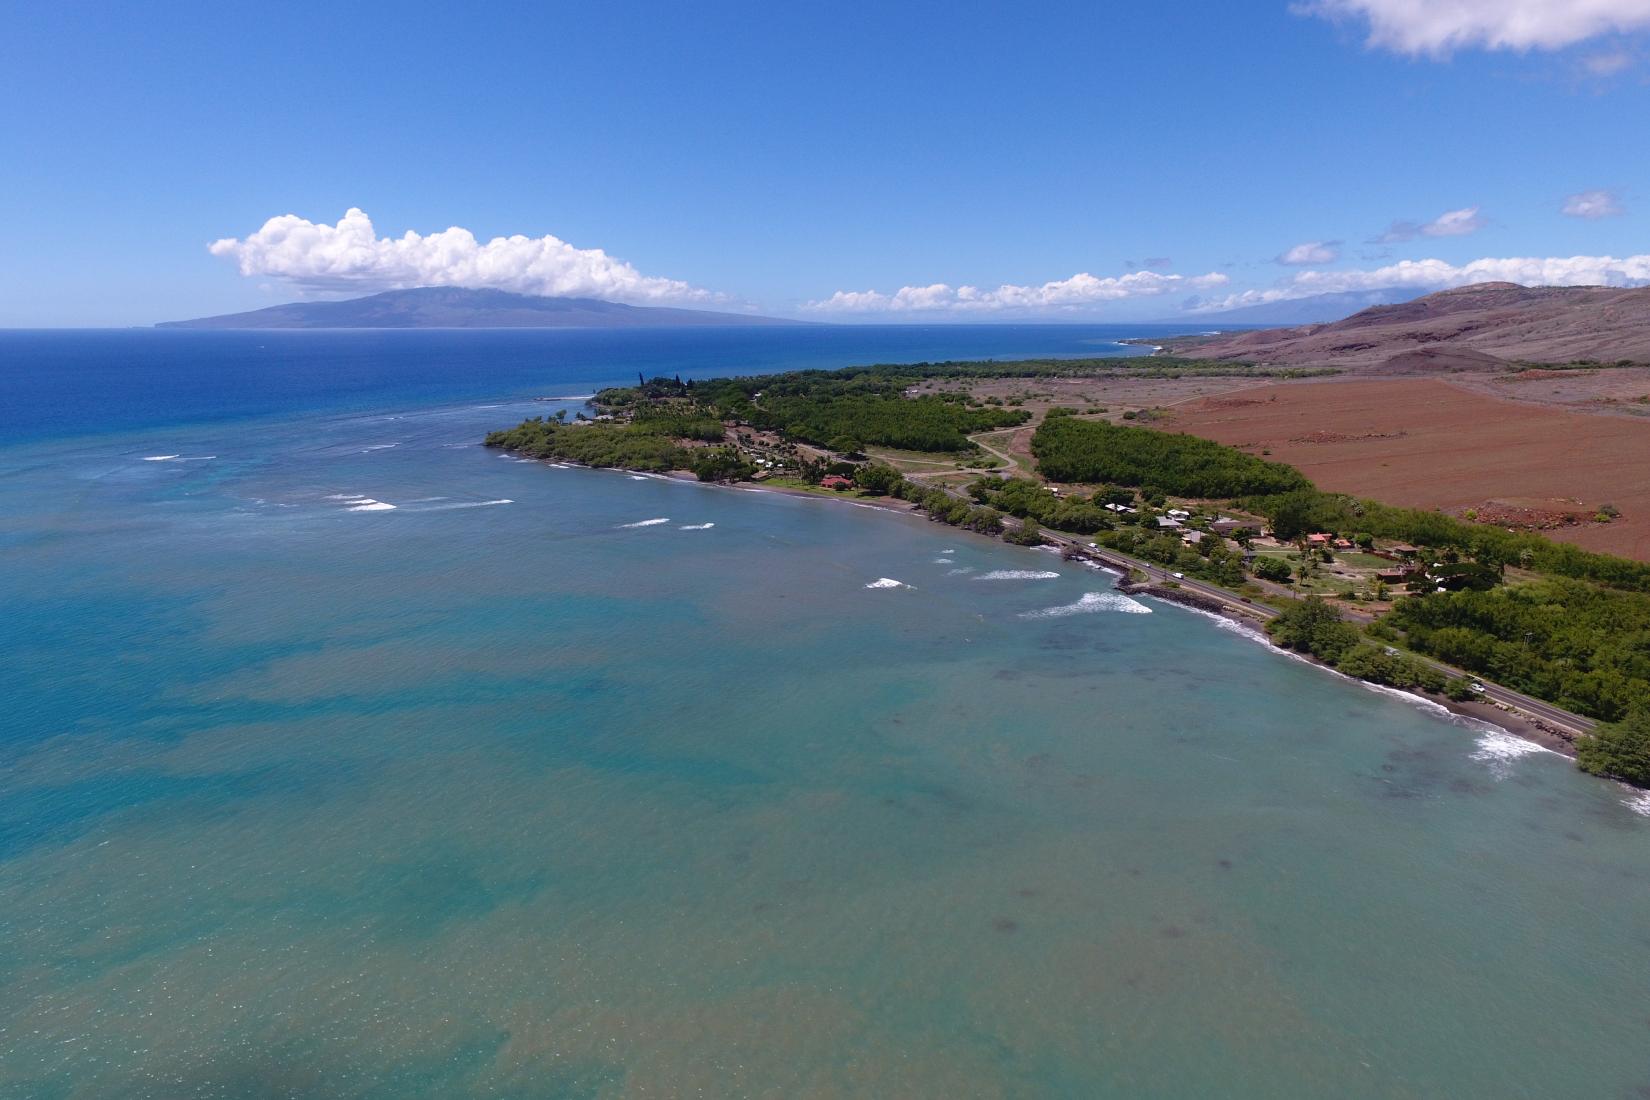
column 1451, row 223
column 1438, row 275
column 351, row 256
column 1312, row 252
column 1081, row 291
column 1594, row 204
column 1440, row 27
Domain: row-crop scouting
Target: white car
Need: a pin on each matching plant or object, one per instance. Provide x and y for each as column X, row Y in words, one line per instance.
column 1178, row 576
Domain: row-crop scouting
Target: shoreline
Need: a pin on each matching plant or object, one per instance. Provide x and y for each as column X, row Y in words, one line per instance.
column 1509, row 722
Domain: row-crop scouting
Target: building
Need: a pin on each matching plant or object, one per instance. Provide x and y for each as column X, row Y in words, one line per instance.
column 836, row 481
column 1319, row 540
column 1169, row 523
column 1191, row 538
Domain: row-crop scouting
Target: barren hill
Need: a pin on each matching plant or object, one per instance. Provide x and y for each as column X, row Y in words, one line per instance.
column 1470, row 328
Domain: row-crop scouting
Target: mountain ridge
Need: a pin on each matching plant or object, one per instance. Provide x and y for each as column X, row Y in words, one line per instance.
column 463, row 307
column 1470, row 327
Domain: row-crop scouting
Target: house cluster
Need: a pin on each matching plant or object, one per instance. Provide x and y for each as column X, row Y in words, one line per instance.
column 1178, row 520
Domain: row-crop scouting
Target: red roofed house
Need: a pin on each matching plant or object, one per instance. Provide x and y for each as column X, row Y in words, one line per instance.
column 836, row 481
column 1319, row 540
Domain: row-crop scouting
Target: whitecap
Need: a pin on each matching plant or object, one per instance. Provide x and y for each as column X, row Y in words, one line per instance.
column 1018, row 575
column 959, row 572
column 887, row 582
column 637, row 477
column 1090, row 603
column 1498, row 749
column 369, row 505
column 646, row 522
column 379, row 447
column 346, row 496
column 1638, row 802
column 465, row 504
column 944, row 561
column 159, row 458
column 697, row 526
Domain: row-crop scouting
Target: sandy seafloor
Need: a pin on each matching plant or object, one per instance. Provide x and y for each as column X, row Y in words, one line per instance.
column 505, row 791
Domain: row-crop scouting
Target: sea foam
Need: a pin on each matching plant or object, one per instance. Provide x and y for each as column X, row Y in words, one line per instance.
column 887, row 582
column 465, row 504
column 1498, row 748
column 369, row 505
column 1018, row 575
column 1090, row 603
column 159, row 458
column 646, row 522
column 697, row 526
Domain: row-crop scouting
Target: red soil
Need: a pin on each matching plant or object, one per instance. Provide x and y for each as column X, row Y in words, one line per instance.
column 1427, row 444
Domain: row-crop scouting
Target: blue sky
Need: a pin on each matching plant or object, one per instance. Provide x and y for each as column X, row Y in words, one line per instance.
column 771, row 156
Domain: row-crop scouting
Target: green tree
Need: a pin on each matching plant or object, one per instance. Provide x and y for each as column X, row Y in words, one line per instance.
column 1620, row 750
column 876, row 477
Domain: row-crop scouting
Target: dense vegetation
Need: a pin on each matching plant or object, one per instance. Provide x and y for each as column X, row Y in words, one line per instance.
column 594, row 443
column 1583, row 647
column 642, row 444
column 843, row 410
column 1312, row 626
column 1619, row 750
column 1069, row 449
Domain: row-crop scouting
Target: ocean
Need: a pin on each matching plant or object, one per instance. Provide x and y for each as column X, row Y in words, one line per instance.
column 342, row 757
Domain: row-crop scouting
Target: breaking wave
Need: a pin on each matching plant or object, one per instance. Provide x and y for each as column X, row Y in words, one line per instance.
column 646, row 522
column 1498, row 749
column 466, row 504
column 367, row 504
column 697, row 526
column 887, row 582
column 1018, row 575
column 159, row 458
column 1090, row 603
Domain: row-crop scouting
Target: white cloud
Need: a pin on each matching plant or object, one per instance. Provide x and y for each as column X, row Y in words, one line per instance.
column 1312, row 252
column 1081, row 291
column 351, row 256
column 1609, row 63
column 1594, row 204
column 1451, row 223
column 1438, row 275
column 1440, row 27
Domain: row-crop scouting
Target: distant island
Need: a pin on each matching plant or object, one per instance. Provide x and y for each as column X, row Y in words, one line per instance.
column 459, row 307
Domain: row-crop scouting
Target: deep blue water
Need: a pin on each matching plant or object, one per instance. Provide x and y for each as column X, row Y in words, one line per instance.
column 340, row 757
column 55, row 383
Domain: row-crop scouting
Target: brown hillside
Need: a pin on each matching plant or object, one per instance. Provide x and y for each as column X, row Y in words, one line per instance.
column 1470, row 328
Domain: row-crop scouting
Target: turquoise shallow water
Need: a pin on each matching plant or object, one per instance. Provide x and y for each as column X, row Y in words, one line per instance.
column 303, row 798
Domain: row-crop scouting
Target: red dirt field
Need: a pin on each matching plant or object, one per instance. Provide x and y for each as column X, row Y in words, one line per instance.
column 1427, row 444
